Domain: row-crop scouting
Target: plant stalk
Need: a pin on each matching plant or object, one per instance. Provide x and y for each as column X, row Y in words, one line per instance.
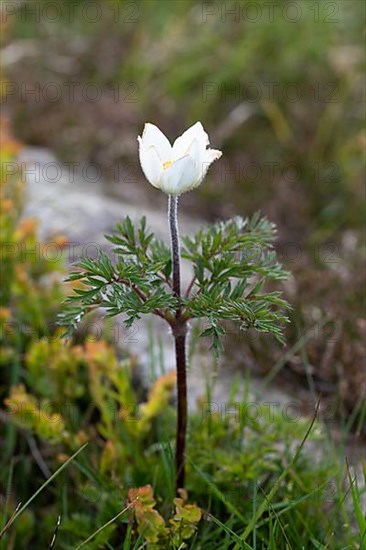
column 180, row 334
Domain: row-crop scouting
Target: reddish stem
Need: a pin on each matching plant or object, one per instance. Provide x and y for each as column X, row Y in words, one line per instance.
column 179, row 333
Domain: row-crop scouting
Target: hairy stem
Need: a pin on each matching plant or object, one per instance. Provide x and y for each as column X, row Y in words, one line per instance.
column 179, row 333
column 174, row 240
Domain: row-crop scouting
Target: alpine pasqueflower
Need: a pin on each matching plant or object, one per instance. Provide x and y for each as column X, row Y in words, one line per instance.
column 178, row 168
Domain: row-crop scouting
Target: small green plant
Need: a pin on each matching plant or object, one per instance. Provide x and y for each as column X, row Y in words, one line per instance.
column 151, row 525
column 227, row 282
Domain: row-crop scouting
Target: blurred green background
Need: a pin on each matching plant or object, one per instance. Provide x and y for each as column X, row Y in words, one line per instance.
column 279, row 88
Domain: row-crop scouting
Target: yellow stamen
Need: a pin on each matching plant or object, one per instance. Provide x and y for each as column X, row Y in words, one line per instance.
column 167, row 164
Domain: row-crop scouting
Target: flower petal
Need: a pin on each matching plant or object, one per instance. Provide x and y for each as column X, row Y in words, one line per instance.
column 152, row 136
column 207, row 159
column 183, row 174
column 150, row 163
column 183, row 143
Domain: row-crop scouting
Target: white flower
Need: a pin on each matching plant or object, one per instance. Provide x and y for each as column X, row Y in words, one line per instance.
column 176, row 169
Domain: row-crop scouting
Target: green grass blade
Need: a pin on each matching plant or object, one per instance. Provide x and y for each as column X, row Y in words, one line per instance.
column 361, row 521
column 291, row 352
column 47, row 482
column 8, row 491
column 104, row 526
column 231, row 533
column 219, row 494
column 263, row 507
column 128, row 538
